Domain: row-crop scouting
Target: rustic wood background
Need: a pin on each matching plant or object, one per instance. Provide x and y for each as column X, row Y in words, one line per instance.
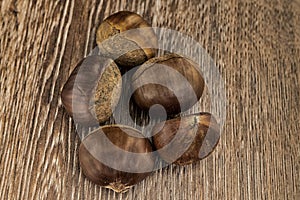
column 256, row 46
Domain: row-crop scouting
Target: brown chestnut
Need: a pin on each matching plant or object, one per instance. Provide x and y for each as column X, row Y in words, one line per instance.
column 171, row 81
column 187, row 139
column 92, row 90
column 116, row 157
column 127, row 38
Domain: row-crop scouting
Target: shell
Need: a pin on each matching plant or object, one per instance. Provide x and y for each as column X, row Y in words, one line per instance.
column 187, row 139
column 92, row 91
column 171, row 81
column 126, row 38
column 111, row 142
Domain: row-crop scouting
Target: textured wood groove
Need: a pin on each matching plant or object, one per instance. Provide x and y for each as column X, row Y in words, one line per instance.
column 256, row 47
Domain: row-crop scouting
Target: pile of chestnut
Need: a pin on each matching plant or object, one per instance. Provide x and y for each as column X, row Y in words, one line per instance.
column 118, row 156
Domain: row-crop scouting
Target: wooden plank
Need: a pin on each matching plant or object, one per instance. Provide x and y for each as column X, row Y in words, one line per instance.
column 256, row 46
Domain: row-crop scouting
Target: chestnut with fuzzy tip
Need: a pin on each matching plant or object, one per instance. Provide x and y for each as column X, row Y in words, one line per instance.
column 127, row 38
column 117, row 145
column 92, row 90
column 187, row 139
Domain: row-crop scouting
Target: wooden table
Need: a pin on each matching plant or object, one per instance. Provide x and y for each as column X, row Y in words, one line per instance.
column 256, row 47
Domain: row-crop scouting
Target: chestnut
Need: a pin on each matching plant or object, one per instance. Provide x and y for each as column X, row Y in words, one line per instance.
column 127, row 38
column 187, row 139
column 92, row 90
column 171, row 80
column 116, row 157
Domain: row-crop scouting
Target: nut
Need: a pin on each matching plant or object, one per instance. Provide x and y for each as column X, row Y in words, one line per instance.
column 127, row 38
column 171, row 81
column 187, row 139
column 111, row 142
column 92, row 90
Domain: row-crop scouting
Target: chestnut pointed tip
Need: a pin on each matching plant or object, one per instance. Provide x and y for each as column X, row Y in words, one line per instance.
column 183, row 163
column 118, row 187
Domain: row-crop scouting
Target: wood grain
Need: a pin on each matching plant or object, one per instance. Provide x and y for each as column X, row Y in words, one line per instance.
column 256, row 47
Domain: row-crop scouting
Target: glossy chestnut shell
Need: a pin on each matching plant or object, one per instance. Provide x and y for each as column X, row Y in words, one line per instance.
column 187, row 139
column 115, row 143
column 92, row 90
column 171, row 80
column 126, row 38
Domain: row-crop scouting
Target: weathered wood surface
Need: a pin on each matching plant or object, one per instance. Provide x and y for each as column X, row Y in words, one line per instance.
column 256, row 46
